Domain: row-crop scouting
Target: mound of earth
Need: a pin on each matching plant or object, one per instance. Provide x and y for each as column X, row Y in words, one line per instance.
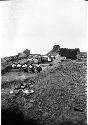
column 59, row 96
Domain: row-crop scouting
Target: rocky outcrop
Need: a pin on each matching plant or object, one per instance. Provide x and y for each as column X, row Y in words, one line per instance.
column 27, row 52
column 56, row 47
column 21, row 55
column 54, row 51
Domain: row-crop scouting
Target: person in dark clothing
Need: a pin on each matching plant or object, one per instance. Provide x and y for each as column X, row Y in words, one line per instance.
column 31, row 68
column 38, row 68
column 25, row 69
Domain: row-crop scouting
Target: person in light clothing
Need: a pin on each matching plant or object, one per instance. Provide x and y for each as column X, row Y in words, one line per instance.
column 13, row 66
column 18, row 65
column 24, row 66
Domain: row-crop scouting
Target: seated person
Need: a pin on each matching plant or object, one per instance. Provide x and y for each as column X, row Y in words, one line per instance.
column 38, row 68
column 18, row 65
column 31, row 68
column 13, row 66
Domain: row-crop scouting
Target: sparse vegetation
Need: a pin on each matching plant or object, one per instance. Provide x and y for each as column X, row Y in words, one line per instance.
column 59, row 94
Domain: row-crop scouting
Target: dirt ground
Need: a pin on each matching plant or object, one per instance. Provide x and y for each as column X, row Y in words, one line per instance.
column 59, row 95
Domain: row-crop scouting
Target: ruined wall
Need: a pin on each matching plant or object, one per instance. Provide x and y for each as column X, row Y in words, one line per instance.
column 69, row 53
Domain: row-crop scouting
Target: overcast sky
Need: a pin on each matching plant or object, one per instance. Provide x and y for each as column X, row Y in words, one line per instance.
column 39, row 24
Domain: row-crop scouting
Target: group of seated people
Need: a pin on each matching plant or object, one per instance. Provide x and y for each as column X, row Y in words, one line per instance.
column 26, row 68
column 37, row 68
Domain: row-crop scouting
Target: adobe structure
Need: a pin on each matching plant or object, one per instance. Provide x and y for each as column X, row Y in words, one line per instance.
column 68, row 53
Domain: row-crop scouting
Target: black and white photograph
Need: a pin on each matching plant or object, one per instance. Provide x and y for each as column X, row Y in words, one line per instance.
column 43, row 62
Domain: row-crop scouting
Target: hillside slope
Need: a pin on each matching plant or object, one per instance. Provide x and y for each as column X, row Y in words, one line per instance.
column 59, row 95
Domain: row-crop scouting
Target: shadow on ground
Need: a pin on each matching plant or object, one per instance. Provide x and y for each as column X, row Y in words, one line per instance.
column 11, row 117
